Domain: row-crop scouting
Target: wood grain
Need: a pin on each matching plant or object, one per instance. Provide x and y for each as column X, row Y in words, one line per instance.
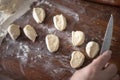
column 24, row 60
column 112, row 2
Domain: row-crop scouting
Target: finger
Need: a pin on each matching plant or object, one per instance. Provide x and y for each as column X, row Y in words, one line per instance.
column 110, row 71
column 100, row 62
column 117, row 77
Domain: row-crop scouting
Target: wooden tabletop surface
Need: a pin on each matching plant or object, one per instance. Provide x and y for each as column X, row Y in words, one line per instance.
column 24, row 60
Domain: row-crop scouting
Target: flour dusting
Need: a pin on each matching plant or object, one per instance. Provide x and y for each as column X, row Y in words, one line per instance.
column 51, row 30
column 24, row 48
column 68, row 11
column 45, row 2
column 62, row 8
column 23, row 53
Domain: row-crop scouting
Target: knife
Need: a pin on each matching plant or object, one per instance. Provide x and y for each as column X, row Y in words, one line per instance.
column 108, row 36
column 20, row 11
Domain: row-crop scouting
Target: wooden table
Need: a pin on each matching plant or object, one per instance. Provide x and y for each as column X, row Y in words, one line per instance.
column 24, row 60
column 108, row 2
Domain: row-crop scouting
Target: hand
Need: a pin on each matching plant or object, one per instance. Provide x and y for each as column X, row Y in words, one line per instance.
column 99, row 69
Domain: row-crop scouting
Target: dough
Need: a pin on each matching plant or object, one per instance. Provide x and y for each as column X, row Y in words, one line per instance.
column 30, row 32
column 60, row 22
column 77, row 59
column 39, row 14
column 92, row 49
column 52, row 42
column 78, row 38
column 14, row 31
column 8, row 6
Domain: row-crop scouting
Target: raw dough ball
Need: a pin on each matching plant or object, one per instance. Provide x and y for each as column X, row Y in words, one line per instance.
column 92, row 49
column 77, row 59
column 39, row 14
column 14, row 31
column 30, row 32
column 52, row 42
column 8, row 6
column 60, row 22
column 78, row 38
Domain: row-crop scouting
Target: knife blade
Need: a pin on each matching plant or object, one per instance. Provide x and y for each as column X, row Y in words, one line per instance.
column 108, row 36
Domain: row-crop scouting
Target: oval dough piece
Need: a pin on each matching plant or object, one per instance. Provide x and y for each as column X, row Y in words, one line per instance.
column 52, row 42
column 77, row 59
column 14, row 31
column 39, row 14
column 78, row 38
column 30, row 32
column 92, row 49
column 60, row 22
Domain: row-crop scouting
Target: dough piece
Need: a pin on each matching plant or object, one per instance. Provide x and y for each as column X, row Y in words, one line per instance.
column 78, row 38
column 14, row 31
column 60, row 22
column 52, row 42
column 39, row 14
column 30, row 32
column 92, row 49
column 9, row 6
column 77, row 59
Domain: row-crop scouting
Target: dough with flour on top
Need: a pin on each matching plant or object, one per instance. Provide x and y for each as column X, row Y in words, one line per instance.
column 30, row 32
column 52, row 42
column 77, row 59
column 92, row 49
column 60, row 22
column 14, row 31
column 39, row 14
column 78, row 38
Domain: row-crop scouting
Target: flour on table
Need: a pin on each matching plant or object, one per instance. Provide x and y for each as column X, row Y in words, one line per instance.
column 46, row 2
column 67, row 11
column 62, row 8
column 23, row 52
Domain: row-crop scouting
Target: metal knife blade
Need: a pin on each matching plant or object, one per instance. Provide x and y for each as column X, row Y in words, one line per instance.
column 108, row 36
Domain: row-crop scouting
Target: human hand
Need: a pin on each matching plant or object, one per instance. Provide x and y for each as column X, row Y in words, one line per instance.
column 99, row 69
